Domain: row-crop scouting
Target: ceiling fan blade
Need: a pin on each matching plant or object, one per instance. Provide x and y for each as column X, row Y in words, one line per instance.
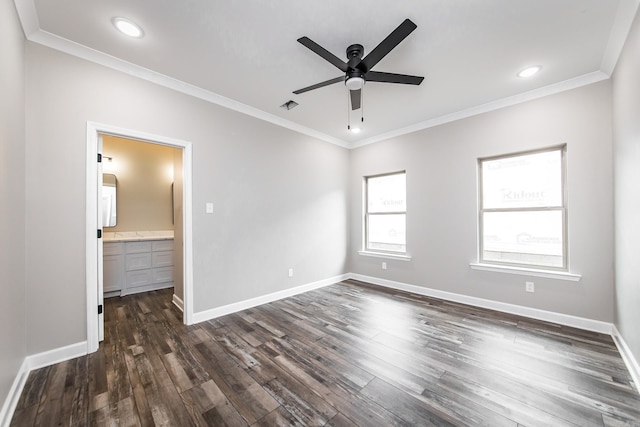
column 319, row 85
column 356, row 97
column 388, row 44
column 324, row 53
column 376, row 76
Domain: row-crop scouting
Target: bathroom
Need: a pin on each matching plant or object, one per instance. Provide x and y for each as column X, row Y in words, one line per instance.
column 141, row 217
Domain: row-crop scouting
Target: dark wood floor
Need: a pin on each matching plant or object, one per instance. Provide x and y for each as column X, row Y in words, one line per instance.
column 345, row 355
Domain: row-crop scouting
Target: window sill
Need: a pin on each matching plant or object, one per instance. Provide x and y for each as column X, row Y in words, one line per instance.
column 561, row 275
column 385, row 255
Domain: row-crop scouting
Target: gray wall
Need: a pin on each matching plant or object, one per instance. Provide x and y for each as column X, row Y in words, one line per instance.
column 280, row 198
column 442, row 201
column 626, row 134
column 12, row 198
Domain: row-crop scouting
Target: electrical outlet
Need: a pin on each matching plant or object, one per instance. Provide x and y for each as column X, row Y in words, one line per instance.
column 384, row 265
column 291, row 272
column 209, row 208
column 529, row 287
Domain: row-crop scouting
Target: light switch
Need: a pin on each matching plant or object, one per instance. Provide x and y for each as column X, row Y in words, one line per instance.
column 209, row 208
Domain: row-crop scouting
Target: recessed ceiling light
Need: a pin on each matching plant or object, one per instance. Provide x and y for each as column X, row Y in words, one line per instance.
column 354, row 129
column 128, row 27
column 529, row 71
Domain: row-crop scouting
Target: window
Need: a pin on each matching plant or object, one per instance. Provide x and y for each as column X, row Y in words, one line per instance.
column 385, row 213
column 522, row 212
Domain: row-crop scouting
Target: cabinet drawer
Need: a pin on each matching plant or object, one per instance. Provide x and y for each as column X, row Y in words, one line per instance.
column 162, row 259
column 115, row 248
column 164, row 274
column 139, row 278
column 138, row 247
column 138, row 261
column 162, row 245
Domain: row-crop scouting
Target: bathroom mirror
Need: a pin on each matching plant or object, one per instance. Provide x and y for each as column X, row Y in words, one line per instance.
column 109, row 190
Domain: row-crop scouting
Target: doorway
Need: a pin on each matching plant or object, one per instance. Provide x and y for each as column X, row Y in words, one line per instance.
column 94, row 259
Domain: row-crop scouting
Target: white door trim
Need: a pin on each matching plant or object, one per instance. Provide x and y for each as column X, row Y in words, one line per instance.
column 92, row 253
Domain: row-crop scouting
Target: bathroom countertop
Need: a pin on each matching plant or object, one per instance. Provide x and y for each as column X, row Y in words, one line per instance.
column 133, row 236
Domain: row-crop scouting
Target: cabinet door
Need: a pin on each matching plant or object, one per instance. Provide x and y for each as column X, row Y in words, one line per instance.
column 113, row 272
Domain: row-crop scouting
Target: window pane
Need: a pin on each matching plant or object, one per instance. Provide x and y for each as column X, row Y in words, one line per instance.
column 387, row 193
column 532, row 180
column 524, row 237
column 387, row 232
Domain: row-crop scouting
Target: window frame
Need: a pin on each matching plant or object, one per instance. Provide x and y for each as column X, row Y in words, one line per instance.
column 366, row 214
column 563, row 209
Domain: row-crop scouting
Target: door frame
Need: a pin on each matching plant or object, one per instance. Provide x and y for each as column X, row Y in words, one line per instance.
column 93, row 244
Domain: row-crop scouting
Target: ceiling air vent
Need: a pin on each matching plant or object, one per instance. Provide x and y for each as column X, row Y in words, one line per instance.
column 289, row 105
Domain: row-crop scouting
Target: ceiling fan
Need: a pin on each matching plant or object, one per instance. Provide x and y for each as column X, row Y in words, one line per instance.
column 358, row 69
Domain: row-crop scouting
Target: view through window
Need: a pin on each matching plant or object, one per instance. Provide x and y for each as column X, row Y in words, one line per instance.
column 522, row 209
column 386, row 212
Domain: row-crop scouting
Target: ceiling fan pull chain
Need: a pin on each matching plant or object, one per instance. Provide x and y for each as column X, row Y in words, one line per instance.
column 361, row 108
column 348, row 111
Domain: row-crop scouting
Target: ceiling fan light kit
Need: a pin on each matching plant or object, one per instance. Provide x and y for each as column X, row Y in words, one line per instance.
column 354, row 83
column 358, row 69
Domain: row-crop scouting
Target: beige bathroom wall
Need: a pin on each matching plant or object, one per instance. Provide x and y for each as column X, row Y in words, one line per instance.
column 178, row 239
column 144, row 174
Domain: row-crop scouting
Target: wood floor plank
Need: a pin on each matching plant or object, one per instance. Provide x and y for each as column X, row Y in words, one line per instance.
column 278, row 417
column 33, row 388
column 350, row 354
column 50, row 407
column 407, row 407
column 145, row 415
column 208, row 405
column 246, row 395
column 340, row 420
column 75, row 398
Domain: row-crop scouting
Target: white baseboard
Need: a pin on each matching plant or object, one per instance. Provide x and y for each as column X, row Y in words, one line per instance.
column 10, row 403
column 30, row 363
column 177, row 301
column 57, row 355
column 253, row 302
column 627, row 356
column 533, row 313
column 80, row 349
column 562, row 319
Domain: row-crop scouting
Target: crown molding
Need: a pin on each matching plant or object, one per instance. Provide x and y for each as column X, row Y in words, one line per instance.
column 489, row 106
column 75, row 49
column 622, row 24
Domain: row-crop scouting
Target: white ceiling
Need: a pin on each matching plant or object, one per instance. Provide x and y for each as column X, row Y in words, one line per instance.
column 244, row 54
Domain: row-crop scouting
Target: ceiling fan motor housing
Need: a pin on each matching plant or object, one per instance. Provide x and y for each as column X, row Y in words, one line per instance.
column 355, row 77
column 355, row 51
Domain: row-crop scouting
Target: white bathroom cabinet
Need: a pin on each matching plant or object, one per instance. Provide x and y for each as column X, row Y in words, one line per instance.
column 137, row 266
